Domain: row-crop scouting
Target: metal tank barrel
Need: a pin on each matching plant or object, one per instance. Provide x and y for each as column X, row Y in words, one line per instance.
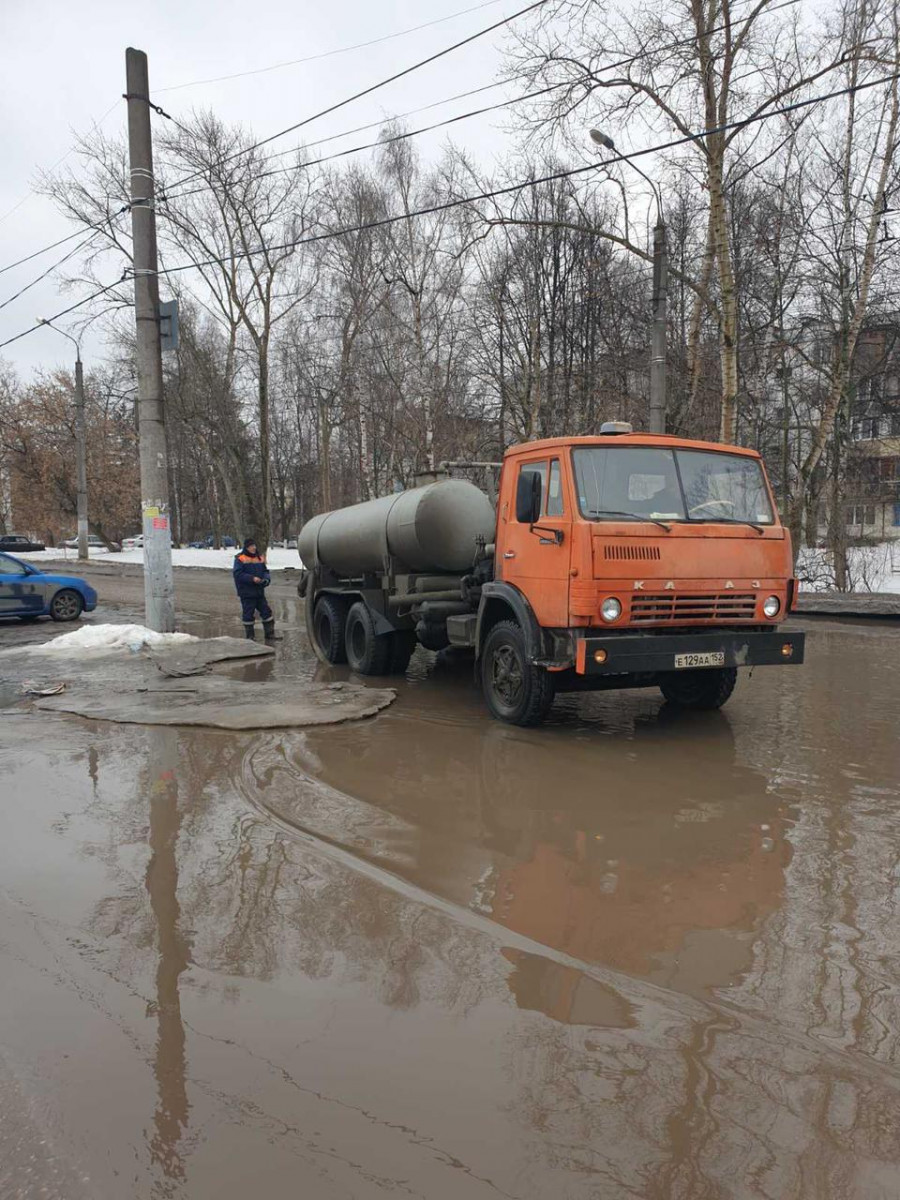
column 429, row 528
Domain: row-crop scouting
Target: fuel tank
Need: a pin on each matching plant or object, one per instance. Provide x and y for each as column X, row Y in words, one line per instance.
column 428, row 528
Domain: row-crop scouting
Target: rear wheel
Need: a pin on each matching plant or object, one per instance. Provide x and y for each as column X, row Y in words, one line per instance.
column 367, row 654
column 66, row 606
column 703, row 689
column 515, row 690
column 329, row 618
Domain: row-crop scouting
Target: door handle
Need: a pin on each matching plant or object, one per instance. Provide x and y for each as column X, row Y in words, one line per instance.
column 509, row 554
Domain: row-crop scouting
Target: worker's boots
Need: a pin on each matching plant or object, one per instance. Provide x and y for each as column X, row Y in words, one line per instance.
column 269, row 631
column 249, row 632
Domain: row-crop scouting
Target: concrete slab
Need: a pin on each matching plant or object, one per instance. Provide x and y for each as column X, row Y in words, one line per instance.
column 219, row 703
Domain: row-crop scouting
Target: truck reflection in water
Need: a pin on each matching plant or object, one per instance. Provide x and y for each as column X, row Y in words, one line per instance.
column 654, row 853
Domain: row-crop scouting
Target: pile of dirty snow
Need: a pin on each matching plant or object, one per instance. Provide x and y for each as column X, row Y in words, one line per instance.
column 93, row 639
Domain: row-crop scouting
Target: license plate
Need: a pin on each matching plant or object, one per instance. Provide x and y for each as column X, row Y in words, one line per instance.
column 713, row 658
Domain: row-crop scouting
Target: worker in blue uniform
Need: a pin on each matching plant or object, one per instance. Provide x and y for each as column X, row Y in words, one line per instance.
column 251, row 578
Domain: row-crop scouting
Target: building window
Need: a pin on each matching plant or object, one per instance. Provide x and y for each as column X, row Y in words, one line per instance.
column 897, row 514
column 860, row 515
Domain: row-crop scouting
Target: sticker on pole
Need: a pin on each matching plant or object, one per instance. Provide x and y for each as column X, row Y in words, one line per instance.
column 160, row 522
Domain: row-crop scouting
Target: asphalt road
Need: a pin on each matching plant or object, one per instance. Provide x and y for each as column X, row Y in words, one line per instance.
column 634, row 953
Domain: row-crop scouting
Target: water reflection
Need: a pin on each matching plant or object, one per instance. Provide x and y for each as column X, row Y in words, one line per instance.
column 614, row 866
column 170, row 1118
column 765, row 1064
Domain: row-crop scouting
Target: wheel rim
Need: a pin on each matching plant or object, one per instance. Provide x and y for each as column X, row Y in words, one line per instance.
column 67, row 606
column 507, row 677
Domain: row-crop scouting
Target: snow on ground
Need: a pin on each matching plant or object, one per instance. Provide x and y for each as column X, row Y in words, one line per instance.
column 94, row 639
column 869, row 569
column 221, row 560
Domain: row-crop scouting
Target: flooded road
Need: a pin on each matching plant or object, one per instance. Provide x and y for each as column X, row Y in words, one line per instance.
column 632, row 954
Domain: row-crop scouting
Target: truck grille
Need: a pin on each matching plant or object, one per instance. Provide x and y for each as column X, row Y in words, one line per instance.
column 685, row 606
column 632, row 553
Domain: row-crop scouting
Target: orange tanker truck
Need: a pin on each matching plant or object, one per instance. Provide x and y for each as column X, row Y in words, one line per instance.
column 621, row 560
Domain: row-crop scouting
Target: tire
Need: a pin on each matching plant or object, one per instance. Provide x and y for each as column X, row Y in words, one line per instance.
column 403, row 645
column 366, row 653
column 66, row 605
column 514, row 690
column 703, row 689
column 327, row 633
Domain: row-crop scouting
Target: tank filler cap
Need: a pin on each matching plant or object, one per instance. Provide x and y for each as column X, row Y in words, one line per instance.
column 616, row 427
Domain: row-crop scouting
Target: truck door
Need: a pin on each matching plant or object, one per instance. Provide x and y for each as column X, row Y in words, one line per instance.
column 536, row 560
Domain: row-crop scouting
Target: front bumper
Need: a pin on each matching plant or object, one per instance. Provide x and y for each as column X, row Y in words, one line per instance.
column 645, row 653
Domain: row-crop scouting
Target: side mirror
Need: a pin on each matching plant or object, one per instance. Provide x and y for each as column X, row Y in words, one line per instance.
column 528, row 498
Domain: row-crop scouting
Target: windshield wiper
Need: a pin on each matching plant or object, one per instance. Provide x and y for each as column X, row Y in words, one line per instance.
column 608, row 512
column 727, row 521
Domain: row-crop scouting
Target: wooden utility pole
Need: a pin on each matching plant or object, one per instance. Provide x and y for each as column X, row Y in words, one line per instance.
column 159, row 590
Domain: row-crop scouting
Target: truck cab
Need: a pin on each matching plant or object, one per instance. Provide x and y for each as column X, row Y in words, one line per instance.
column 628, row 560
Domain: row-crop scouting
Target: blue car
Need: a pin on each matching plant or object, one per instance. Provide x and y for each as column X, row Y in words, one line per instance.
column 28, row 593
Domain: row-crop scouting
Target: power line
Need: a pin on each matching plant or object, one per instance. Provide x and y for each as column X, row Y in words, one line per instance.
column 368, row 91
column 399, row 137
column 496, row 192
column 613, row 66
column 572, row 171
column 62, row 241
column 361, row 128
column 294, row 62
column 65, row 312
column 22, row 290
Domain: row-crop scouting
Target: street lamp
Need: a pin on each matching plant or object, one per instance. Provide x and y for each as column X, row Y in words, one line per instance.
column 80, row 445
column 660, row 283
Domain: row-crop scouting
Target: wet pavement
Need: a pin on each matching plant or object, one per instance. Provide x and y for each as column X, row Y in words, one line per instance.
column 631, row 954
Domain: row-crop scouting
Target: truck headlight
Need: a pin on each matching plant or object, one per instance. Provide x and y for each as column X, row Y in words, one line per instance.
column 771, row 606
column 610, row 609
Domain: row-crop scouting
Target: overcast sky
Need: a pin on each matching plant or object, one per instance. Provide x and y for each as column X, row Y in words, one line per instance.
column 64, row 67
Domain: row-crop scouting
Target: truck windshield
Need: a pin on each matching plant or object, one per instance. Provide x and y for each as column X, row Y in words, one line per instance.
column 659, row 483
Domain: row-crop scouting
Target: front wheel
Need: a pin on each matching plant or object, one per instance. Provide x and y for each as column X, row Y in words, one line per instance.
column 514, row 689
column 66, row 606
column 702, row 689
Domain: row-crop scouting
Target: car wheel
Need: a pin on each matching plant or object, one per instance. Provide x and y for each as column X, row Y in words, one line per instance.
column 66, row 606
column 327, row 634
column 702, row 689
column 367, row 653
column 515, row 689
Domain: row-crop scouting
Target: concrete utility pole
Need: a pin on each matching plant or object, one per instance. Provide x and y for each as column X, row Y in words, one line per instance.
column 660, row 294
column 159, row 590
column 80, row 447
column 658, row 341
column 81, row 460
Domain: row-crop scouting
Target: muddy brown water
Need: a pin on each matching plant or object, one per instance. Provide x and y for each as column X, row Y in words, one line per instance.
column 631, row 954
